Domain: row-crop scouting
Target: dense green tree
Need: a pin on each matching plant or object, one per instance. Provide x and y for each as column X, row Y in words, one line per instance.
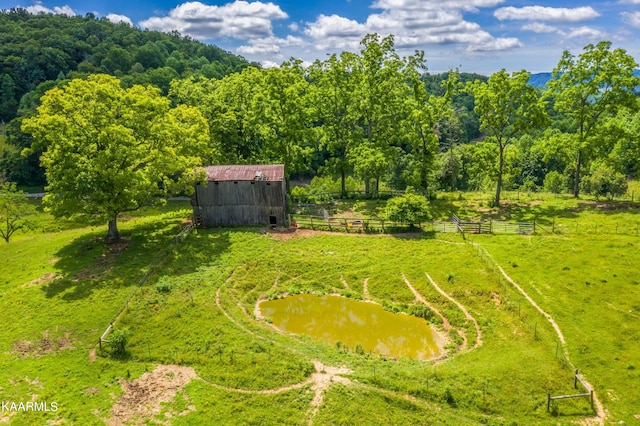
column 227, row 104
column 589, row 88
column 108, row 150
column 282, row 114
column 507, row 107
column 334, row 81
column 604, row 181
column 14, row 210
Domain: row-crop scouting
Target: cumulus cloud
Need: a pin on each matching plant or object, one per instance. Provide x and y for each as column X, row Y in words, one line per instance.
column 631, row 18
column 39, row 8
column 560, row 15
column 269, row 45
column 629, row 2
column 420, row 5
column 538, row 27
column 240, row 19
column 586, row 32
column 115, row 18
column 414, row 23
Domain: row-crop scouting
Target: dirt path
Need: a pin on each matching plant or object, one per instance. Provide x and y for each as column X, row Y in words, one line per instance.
column 365, row 289
column 320, row 381
column 344, row 283
column 601, row 413
column 445, row 322
column 462, row 308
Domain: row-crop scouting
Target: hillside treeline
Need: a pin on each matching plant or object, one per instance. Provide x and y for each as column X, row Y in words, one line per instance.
column 374, row 118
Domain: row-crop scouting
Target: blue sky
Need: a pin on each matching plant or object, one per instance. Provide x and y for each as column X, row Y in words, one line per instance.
column 472, row 35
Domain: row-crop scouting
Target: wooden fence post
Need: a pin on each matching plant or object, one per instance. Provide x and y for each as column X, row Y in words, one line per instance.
column 311, row 219
column 575, row 380
column 548, row 402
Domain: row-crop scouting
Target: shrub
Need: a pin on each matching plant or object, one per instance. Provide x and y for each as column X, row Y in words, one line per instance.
column 408, row 208
column 118, row 342
column 164, row 285
column 554, row 182
column 604, row 182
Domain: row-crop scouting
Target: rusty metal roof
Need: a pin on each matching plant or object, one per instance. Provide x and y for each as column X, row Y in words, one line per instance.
column 270, row 172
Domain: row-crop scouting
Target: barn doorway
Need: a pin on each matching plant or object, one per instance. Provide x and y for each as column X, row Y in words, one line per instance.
column 273, row 220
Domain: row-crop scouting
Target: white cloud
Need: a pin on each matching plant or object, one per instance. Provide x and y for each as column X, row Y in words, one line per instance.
column 294, row 27
column 240, row 19
column 629, row 2
column 586, row 32
column 269, row 64
column 414, row 23
column 335, row 32
column 538, row 27
column 421, row 5
column 39, row 8
column 632, row 18
column 269, row 45
column 115, row 18
column 560, row 15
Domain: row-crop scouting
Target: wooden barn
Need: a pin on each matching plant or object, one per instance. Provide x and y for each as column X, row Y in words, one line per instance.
column 241, row 195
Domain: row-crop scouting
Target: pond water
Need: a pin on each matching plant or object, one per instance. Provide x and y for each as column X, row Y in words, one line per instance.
column 334, row 318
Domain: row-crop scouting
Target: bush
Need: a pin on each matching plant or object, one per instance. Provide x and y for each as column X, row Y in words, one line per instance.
column 164, row 285
column 118, row 342
column 408, row 208
column 554, row 182
column 604, row 182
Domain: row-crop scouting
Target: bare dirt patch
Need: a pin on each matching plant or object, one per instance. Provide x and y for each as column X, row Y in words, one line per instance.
column 44, row 345
column 102, row 265
column 143, row 397
column 45, row 279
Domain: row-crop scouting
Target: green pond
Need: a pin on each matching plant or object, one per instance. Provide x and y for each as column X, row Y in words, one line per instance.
column 334, row 318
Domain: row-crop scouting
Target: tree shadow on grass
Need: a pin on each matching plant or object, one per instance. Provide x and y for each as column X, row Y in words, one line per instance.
column 88, row 263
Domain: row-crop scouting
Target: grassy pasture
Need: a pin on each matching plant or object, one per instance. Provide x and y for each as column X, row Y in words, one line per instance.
column 60, row 286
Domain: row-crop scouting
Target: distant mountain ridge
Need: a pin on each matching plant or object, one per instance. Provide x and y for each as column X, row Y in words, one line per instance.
column 541, row 79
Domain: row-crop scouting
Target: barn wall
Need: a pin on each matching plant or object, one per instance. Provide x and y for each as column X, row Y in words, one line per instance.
column 229, row 203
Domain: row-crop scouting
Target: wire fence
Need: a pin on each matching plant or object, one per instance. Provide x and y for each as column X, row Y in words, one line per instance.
column 179, row 238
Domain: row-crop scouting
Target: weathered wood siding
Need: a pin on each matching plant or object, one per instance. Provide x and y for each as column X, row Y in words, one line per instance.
column 232, row 203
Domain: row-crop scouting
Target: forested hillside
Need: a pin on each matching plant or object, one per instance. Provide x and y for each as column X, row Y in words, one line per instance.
column 36, row 48
column 38, row 52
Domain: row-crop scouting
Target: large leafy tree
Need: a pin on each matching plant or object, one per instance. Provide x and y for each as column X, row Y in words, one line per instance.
column 227, row 105
column 507, row 107
column 334, row 82
column 587, row 90
column 109, row 150
column 282, row 115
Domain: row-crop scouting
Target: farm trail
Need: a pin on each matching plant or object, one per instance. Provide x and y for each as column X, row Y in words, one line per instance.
column 601, row 413
column 344, row 283
column 445, row 322
column 365, row 289
column 462, row 308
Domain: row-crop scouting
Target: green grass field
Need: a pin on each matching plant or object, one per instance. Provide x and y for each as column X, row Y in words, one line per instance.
column 191, row 308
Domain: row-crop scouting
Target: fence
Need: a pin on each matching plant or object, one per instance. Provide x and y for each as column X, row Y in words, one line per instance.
column 577, row 379
column 180, row 237
column 376, row 225
column 529, row 316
